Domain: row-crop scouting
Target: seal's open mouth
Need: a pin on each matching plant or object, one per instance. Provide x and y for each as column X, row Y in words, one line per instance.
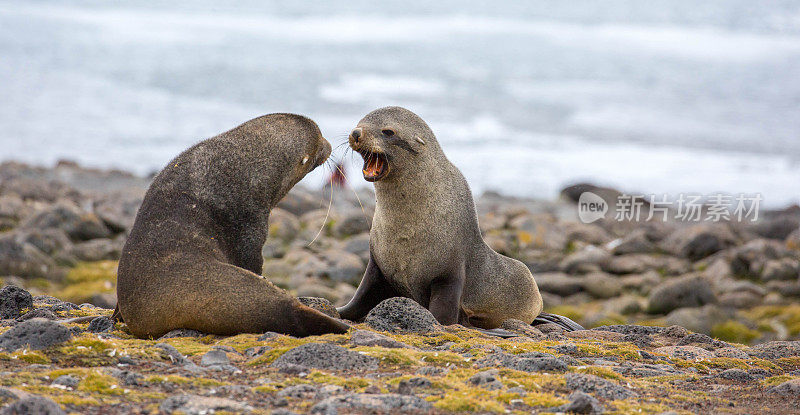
column 376, row 166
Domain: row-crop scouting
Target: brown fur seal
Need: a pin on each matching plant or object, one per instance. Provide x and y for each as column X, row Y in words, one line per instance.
column 425, row 243
column 193, row 258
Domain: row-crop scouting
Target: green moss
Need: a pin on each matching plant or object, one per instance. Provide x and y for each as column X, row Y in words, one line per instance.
column 789, row 315
column 96, row 382
column 568, row 311
column 269, row 356
column 31, row 357
column 734, row 331
column 390, row 357
column 776, row 380
column 87, row 279
column 442, row 358
column 602, row 372
column 349, row 382
column 468, row 400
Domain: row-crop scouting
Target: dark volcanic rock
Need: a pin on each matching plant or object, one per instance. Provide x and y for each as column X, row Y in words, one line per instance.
column 598, row 386
column 790, row 388
column 580, row 403
column 362, row 402
column 322, row 305
column 34, row 405
column 737, row 375
column 776, row 350
column 327, row 357
column 43, row 312
column 13, row 300
column 400, row 314
column 699, row 241
column 526, row 362
column 631, row 329
column 486, row 379
column 35, row 333
column 688, row 291
column 101, row 324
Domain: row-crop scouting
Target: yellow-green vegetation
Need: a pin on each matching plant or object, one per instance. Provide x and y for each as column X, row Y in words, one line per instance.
column 87, row 279
column 788, row 315
column 568, row 311
column 776, row 380
column 734, row 331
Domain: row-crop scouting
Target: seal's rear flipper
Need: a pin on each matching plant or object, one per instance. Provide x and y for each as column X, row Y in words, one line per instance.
column 562, row 321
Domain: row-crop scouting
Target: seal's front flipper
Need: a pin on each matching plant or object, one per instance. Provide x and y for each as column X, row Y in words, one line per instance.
column 505, row 334
column 562, row 321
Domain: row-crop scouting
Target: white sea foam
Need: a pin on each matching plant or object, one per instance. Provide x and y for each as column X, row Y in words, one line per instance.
column 355, row 88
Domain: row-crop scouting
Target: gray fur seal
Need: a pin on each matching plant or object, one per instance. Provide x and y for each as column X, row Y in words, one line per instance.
column 425, row 243
column 193, row 258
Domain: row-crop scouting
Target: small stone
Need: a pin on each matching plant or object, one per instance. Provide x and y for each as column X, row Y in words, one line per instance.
column 201, row 405
column 408, row 386
column 372, row 403
column 34, row 405
column 581, row 403
column 67, row 381
column 303, row 391
column 182, row 333
column 404, row 315
column 790, row 388
column 35, row 333
column 327, row 357
column 487, row 379
column 370, row 338
column 322, row 305
column 100, row 325
column 688, row 291
column 44, row 312
column 432, row 371
column 598, row 386
column 13, row 300
column 776, row 350
column 214, row 357
column 737, row 375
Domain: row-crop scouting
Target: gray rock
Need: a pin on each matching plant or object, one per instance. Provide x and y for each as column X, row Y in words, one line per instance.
column 49, row 241
column 13, row 300
column 784, row 269
column 370, row 338
column 118, row 210
column 46, row 313
column 214, row 357
column 598, row 386
column 737, row 375
column 688, row 291
column 587, row 259
column 559, row 283
column 100, row 325
column 34, row 405
column 181, row 333
column 127, row 377
column 303, row 391
column 699, row 241
column 699, row 319
column 18, row 257
column 790, row 388
column 748, row 260
column 634, row 243
column 67, row 381
column 172, row 353
column 95, row 250
column 104, row 300
column 36, row 334
column 322, row 305
column 526, row 362
column 404, row 315
column 353, row 223
column 487, row 379
column 362, row 402
column 283, row 225
column 777, row 228
column 432, row 371
column 685, row 352
column 409, row 386
column 358, row 245
column 342, row 266
column 631, row 329
column 776, row 350
column 327, row 357
column 602, row 285
column 78, row 224
column 580, row 403
column 201, row 405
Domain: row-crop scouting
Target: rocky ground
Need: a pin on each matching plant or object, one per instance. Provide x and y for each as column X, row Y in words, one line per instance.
column 729, row 284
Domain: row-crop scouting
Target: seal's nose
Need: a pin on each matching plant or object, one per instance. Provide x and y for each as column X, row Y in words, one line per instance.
column 356, row 134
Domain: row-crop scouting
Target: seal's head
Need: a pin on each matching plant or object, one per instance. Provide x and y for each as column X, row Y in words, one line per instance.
column 392, row 139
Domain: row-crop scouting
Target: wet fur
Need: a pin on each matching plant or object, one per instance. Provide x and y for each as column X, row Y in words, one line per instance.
column 193, row 258
column 425, row 243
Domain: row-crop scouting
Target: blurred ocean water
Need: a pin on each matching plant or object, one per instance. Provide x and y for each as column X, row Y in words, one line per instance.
column 526, row 96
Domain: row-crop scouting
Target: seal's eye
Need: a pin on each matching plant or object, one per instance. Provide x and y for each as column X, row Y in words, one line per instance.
column 387, row 133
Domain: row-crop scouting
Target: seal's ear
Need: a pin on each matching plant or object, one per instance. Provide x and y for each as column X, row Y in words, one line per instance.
column 421, row 141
